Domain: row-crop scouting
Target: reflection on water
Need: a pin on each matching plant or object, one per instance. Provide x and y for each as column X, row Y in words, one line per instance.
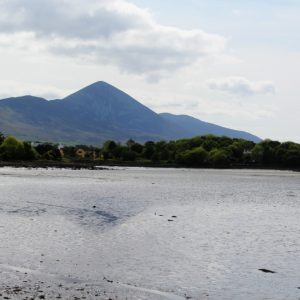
column 141, row 233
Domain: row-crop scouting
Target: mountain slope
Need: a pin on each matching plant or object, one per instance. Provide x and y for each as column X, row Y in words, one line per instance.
column 92, row 115
column 101, row 103
column 193, row 127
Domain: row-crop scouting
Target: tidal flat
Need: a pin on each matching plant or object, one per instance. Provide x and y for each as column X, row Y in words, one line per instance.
column 143, row 233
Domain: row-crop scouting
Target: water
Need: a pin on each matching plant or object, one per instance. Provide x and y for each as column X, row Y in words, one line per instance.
column 135, row 233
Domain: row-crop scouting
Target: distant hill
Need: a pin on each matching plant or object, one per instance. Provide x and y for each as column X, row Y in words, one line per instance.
column 96, row 113
column 194, row 127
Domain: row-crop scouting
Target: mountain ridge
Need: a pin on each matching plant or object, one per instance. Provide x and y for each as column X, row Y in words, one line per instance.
column 96, row 113
column 199, row 127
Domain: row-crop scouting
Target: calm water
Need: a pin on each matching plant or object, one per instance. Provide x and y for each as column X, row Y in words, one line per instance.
column 134, row 233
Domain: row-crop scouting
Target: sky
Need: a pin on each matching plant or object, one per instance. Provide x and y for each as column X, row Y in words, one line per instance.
column 235, row 63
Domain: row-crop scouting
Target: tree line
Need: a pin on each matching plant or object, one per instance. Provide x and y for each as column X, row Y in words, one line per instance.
column 200, row 151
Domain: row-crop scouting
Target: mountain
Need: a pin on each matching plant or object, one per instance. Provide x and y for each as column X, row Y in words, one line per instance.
column 195, row 127
column 94, row 114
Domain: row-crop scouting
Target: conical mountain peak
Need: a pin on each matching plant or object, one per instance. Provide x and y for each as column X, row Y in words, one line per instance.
column 99, row 85
column 98, row 92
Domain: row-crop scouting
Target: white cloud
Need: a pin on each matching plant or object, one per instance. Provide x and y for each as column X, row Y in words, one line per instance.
column 10, row 88
column 112, row 32
column 241, row 86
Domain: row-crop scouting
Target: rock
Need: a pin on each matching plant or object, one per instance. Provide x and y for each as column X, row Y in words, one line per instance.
column 107, row 280
column 266, row 271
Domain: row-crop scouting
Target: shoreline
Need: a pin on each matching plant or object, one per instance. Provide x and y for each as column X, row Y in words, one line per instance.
column 96, row 165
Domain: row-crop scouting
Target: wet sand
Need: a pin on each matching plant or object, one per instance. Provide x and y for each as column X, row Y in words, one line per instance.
column 137, row 233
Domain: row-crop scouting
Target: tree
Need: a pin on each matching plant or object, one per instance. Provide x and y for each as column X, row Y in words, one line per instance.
column 194, row 157
column 108, row 149
column 2, row 137
column 128, row 155
column 182, row 145
column 130, row 143
column 224, row 141
column 292, row 158
column 43, row 148
column 269, row 151
column 240, row 150
column 109, row 145
column 29, row 152
column 219, row 158
column 137, row 148
column 257, row 153
column 70, row 151
column 11, row 149
column 149, row 150
column 164, row 154
column 209, row 143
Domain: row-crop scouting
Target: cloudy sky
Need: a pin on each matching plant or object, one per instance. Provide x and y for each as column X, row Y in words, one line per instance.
column 235, row 62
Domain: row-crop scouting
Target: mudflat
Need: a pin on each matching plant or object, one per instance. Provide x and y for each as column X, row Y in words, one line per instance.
column 143, row 233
